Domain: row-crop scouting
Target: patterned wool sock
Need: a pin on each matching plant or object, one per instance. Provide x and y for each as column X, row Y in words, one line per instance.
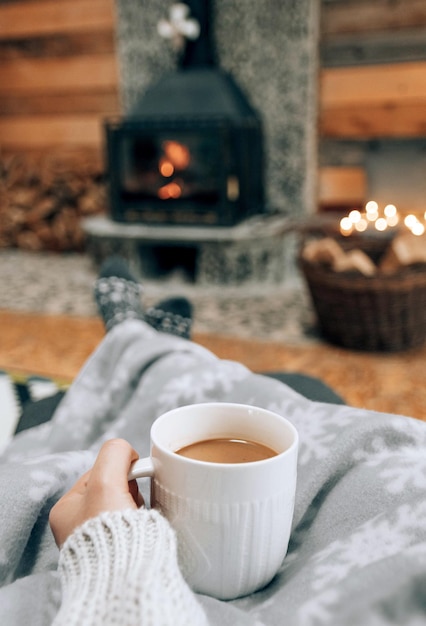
column 117, row 293
column 173, row 316
column 118, row 298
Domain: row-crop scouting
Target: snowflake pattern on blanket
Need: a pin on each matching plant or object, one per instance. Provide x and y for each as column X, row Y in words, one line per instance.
column 357, row 553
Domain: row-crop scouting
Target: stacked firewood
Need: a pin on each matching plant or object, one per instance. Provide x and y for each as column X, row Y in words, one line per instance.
column 405, row 250
column 43, row 199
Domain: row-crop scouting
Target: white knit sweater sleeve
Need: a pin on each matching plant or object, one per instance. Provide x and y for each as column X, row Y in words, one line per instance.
column 121, row 569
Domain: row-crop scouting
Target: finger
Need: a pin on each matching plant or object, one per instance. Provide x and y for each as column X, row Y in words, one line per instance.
column 135, row 493
column 113, row 463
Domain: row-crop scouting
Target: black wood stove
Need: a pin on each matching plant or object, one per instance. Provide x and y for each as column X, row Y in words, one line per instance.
column 190, row 152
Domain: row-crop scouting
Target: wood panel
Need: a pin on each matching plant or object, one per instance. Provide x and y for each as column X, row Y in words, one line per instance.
column 46, row 17
column 374, row 122
column 103, row 102
column 374, row 48
column 58, row 73
column 360, row 16
column 342, row 187
column 373, row 101
column 73, row 44
column 392, row 83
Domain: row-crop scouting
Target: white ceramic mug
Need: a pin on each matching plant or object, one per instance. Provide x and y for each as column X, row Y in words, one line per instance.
column 232, row 521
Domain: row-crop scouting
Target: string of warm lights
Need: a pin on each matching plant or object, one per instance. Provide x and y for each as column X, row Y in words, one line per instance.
column 374, row 219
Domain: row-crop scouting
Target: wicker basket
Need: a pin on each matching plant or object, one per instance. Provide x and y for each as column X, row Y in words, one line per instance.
column 380, row 313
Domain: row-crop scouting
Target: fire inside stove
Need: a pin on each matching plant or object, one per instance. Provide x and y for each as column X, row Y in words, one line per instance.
column 172, row 167
column 184, row 171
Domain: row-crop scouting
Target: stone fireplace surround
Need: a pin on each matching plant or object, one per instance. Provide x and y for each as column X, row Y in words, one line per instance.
column 271, row 50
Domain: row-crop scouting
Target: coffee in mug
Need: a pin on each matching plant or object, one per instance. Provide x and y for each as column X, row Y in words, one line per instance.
column 229, row 450
column 232, row 519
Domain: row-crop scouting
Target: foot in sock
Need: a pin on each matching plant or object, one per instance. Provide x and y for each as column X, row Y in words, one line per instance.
column 117, row 293
column 118, row 297
column 172, row 316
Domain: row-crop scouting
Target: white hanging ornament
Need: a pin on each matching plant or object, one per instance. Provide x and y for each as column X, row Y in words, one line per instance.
column 179, row 26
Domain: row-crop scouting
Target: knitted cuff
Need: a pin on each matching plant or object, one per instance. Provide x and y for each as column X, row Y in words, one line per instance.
column 121, row 567
column 168, row 322
column 118, row 299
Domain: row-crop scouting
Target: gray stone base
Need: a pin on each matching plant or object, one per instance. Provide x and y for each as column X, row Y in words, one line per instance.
column 257, row 251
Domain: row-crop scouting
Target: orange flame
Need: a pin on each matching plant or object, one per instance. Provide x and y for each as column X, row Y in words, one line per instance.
column 178, row 154
column 166, row 168
column 171, row 190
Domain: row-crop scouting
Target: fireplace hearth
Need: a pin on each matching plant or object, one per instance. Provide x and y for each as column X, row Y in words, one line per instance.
column 227, row 222
column 191, row 149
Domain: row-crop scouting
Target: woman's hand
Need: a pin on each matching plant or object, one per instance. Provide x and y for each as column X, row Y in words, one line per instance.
column 104, row 488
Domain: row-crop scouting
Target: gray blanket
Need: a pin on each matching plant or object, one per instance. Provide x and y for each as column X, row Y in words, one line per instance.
column 357, row 553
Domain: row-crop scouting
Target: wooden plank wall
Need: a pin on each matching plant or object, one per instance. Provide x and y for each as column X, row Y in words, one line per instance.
column 58, row 81
column 372, row 82
column 58, row 73
column 379, row 91
column 59, row 77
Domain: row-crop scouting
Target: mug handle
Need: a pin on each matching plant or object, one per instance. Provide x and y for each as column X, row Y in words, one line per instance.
column 143, row 468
